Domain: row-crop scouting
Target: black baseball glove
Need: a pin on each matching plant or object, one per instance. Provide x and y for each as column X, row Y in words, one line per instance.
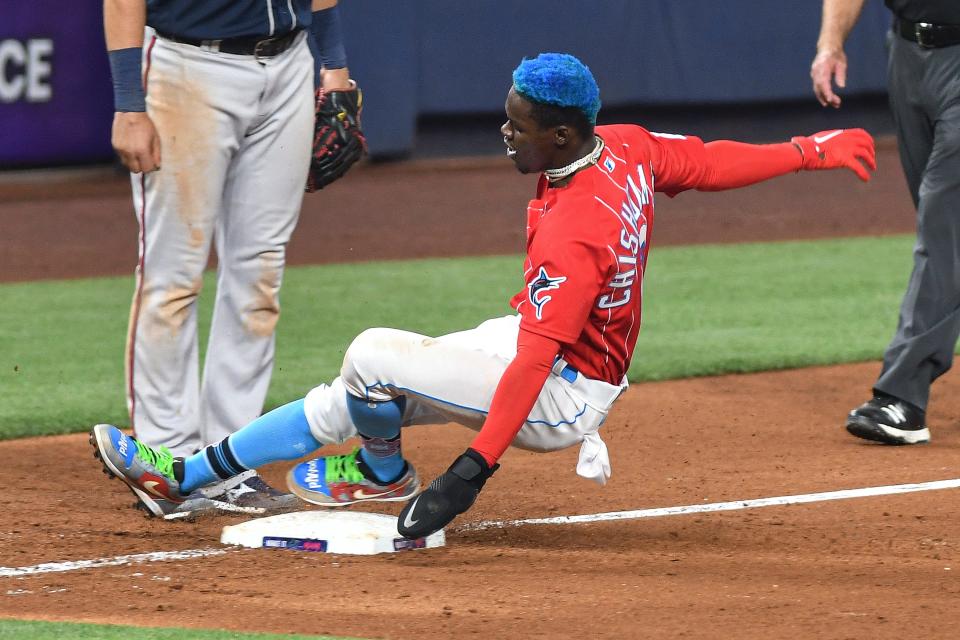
column 447, row 497
column 338, row 141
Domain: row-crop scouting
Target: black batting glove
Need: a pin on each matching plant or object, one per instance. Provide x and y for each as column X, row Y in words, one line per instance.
column 447, row 497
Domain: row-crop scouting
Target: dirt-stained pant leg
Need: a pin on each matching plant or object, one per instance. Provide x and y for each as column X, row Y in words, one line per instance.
column 177, row 208
column 209, row 109
column 262, row 201
column 452, row 379
column 925, row 99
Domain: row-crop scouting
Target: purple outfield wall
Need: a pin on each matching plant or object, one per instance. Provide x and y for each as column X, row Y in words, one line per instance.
column 436, row 57
column 56, row 104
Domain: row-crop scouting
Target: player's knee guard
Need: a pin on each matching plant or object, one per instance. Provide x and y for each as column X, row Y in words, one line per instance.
column 376, row 419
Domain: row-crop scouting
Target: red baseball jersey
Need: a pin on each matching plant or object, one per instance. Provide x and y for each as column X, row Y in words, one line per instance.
column 587, row 245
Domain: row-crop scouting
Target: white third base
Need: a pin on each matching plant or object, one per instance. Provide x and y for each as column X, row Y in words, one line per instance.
column 350, row 532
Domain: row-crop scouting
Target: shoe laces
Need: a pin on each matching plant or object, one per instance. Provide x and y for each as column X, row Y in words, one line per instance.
column 343, row 468
column 160, row 458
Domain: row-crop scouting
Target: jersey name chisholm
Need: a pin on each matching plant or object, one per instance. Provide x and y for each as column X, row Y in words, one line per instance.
column 632, row 240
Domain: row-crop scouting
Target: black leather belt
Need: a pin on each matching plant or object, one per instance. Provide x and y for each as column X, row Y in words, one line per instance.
column 929, row 36
column 251, row 46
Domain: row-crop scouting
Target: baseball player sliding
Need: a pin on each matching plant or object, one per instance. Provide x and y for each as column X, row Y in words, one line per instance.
column 543, row 379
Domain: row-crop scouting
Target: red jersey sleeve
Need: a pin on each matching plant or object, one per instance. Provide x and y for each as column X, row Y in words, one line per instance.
column 678, row 162
column 736, row 164
column 563, row 281
column 516, row 394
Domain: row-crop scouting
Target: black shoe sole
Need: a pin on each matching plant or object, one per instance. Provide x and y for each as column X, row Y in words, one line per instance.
column 869, row 430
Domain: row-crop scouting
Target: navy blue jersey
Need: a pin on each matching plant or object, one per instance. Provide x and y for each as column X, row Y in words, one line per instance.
column 935, row 11
column 221, row 19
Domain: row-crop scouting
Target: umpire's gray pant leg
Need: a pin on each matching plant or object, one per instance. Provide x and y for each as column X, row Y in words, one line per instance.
column 925, row 98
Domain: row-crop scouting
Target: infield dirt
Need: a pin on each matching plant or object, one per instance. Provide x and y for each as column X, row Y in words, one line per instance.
column 878, row 568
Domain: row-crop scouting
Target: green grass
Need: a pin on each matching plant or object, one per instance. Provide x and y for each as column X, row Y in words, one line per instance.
column 22, row 629
column 62, row 342
column 708, row 310
column 753, row 307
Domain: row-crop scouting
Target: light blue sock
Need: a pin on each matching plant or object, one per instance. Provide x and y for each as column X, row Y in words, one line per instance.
column 379, row 426
column 382, row 456
column 282, row 434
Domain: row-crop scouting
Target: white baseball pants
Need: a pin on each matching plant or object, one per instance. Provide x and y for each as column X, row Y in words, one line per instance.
column 452, row 379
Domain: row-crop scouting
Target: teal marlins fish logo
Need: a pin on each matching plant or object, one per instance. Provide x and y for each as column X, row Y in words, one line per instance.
column 539, row 286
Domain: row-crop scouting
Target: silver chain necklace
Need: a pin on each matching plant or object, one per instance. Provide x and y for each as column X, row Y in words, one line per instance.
column 553, row 175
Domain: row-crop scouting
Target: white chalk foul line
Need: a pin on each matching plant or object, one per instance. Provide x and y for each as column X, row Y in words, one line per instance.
column 156, row 556
column 721, row 506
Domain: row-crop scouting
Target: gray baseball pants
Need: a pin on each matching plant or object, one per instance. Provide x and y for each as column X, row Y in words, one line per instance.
column 924, row 87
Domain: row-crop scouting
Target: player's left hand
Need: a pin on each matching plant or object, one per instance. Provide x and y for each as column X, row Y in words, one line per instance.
column 850, row 148
column 338, row 142
column 447, row 497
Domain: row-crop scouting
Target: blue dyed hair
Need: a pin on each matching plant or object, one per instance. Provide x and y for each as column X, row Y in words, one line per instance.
column 558, row 79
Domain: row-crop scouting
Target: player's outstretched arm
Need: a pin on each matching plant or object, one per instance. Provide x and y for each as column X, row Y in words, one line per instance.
column 729, row 164
column 455, row 491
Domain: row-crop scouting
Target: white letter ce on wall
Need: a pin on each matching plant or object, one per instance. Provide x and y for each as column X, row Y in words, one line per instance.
column 25, row 70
